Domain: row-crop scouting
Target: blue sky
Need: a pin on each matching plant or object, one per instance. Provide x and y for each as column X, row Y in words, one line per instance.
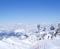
column 29, row 11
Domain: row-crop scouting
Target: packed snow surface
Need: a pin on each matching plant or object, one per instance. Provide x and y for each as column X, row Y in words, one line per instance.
column 16, row 43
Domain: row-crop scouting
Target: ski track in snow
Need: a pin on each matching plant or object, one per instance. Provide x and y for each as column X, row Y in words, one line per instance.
column 21, row 44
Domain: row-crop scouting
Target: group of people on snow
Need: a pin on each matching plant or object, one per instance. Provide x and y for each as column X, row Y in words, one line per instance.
column 52, row 32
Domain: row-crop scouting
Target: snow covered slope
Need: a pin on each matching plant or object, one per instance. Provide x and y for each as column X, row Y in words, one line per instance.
column 16, row 43
column 22, row 39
